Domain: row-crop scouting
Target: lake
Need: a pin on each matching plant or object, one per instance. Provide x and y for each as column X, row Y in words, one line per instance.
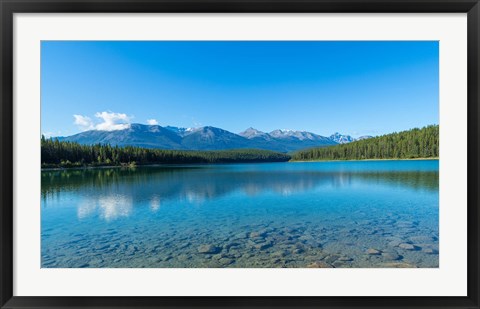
column 305, row 214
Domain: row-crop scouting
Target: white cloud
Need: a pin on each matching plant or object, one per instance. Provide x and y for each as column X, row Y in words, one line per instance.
column 83, row 122
column 50, row 134
column 110, row 122
column 152, row 122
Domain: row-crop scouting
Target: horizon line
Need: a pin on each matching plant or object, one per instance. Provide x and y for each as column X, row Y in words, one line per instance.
column 265, row 132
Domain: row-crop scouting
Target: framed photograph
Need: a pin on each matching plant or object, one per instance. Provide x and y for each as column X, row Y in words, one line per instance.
column 239, row 153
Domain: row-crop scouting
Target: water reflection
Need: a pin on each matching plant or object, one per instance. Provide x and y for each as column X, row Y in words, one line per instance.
column 205, row 183
column 244, row 215
column 155, row 203
column 109, row 207
column 113, row 192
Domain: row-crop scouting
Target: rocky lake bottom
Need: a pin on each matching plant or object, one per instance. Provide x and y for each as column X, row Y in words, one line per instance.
column 308, row 215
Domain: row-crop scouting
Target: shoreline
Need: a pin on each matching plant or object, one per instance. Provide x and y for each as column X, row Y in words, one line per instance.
column 152, row 164
column 360, row 160
column 46, row 169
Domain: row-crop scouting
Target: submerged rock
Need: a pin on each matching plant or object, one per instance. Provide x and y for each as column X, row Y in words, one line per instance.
column 391, row 256
column 394, row 243
column 406, row 246
column 258, row 234
column 226, row 261
column 241, row 235
column 331, row 258
column 372, row 251
column 231, row 245
column 422, row 239
column 208, row 248
column 398, row 265
column 298, row 251
column 319, row 264
column 429, row 251
column 338, row 264
column 280, row 254
column 262, row 246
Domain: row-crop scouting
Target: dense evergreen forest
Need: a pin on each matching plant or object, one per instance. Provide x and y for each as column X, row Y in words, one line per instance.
column 411, row 144
column 68, row 154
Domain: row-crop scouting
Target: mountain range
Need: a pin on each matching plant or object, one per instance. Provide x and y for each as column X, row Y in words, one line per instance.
column 207, row 138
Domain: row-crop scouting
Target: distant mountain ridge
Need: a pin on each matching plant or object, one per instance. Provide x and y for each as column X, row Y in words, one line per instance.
column 206, row 138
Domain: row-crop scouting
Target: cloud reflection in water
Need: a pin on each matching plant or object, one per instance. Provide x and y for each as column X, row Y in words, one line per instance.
column 108, row 207
column 113, row 193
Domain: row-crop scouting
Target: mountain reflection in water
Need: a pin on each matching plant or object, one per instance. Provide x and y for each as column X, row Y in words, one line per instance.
column 121, row 187
column 315, row 214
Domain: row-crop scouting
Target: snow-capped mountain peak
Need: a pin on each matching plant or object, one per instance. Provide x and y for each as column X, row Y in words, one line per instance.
column 251, row 133
column 209, row 138
column 341, row 139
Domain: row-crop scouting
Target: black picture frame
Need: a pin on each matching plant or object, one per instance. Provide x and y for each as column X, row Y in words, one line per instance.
column 9, row 7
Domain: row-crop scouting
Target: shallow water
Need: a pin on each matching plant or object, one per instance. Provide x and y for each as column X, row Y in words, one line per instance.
column 315, row 214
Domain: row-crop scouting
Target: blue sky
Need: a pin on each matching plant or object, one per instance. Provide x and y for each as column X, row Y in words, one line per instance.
column 356, row 88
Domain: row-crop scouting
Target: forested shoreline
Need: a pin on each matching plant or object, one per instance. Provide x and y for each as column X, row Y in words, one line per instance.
column 60, row 154
column 412, row 144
